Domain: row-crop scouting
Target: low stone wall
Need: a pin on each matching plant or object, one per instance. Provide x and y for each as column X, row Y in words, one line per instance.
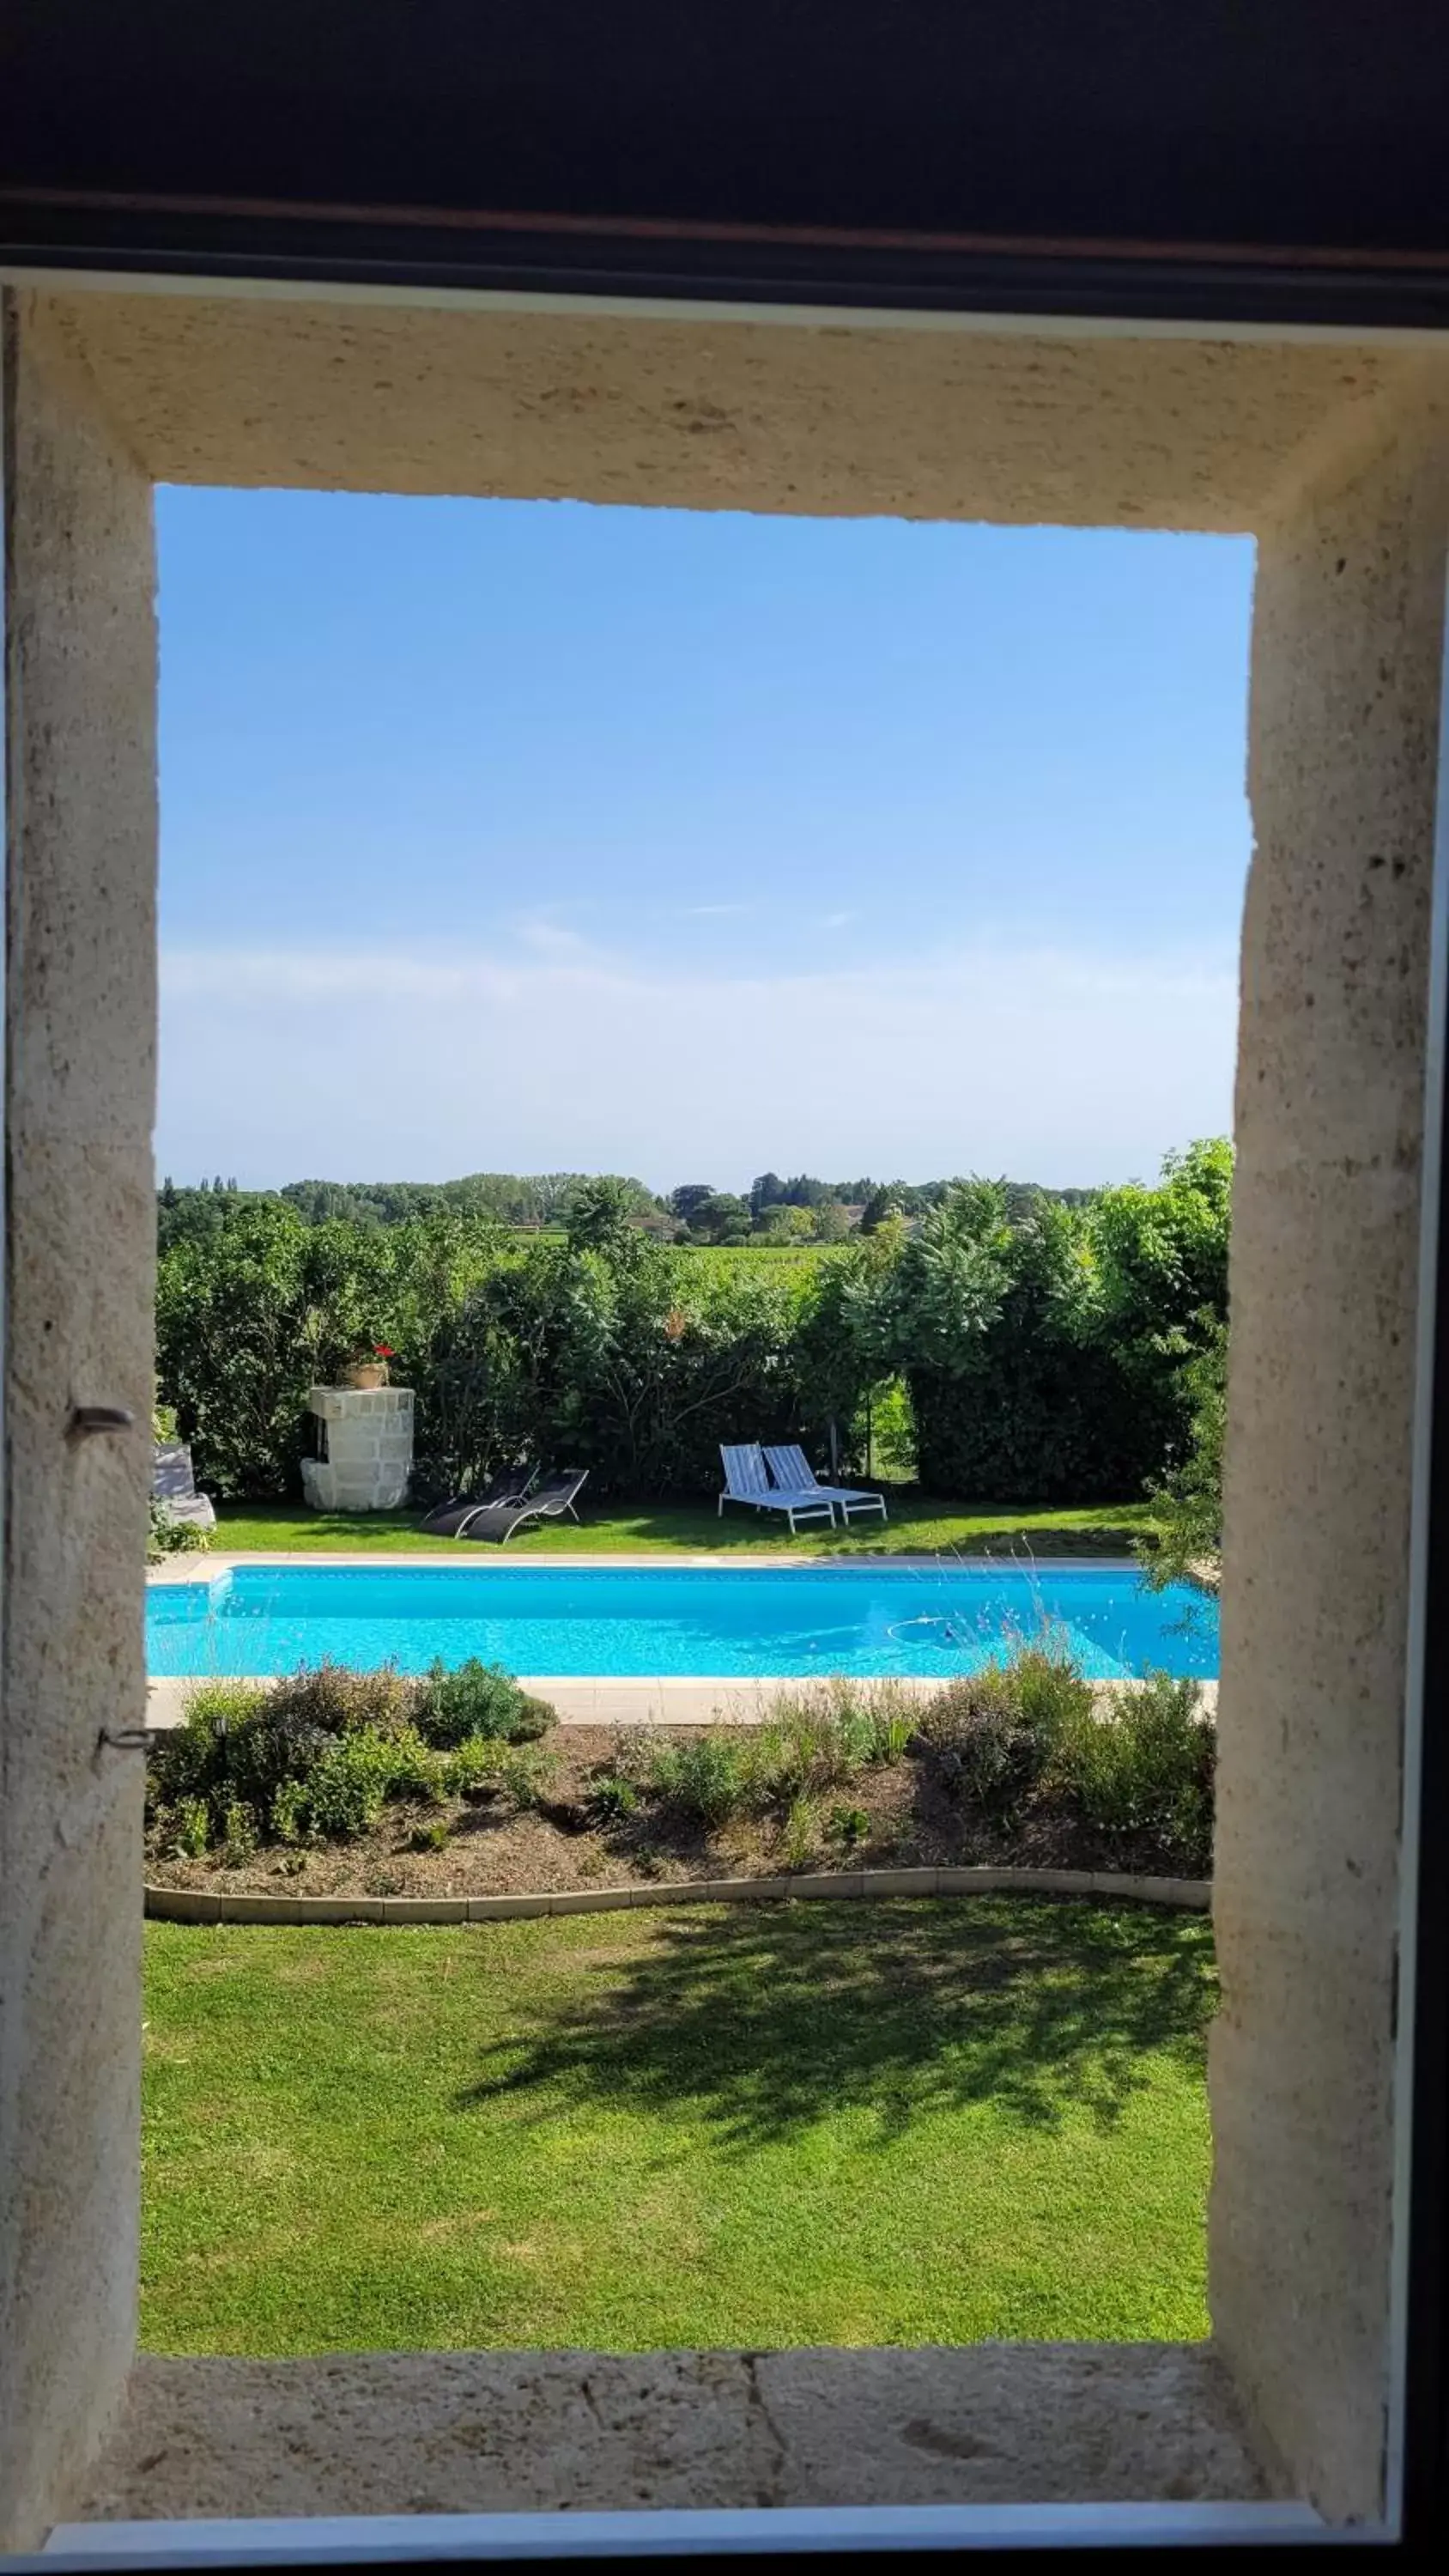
column 202, row 1905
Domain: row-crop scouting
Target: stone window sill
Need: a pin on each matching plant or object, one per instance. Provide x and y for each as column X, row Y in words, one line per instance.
column 538, row 2432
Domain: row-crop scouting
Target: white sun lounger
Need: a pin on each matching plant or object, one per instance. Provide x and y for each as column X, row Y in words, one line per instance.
column 794, row 1474
column 747, row 1482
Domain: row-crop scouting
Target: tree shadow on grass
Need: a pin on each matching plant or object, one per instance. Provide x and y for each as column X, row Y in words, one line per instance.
column 764, row 2020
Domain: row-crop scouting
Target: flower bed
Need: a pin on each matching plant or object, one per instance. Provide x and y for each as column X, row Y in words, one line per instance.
column 338, row 1783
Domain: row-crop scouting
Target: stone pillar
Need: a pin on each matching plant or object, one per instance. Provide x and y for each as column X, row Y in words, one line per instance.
column 80, row 687
column 369, row 1435
column 1347, row 636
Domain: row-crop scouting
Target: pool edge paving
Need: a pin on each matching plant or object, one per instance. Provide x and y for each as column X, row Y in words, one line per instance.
column 612, row 1699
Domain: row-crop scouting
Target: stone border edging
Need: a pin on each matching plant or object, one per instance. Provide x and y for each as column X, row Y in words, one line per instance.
column 198, row 1905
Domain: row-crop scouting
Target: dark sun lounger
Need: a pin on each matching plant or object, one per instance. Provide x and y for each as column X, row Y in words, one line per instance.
column 548, row 1502
column 510, row 1485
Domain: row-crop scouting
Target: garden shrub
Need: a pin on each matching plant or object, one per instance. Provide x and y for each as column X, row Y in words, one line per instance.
column 824, row 1734
column 982, row 1750
column 235, row 1746
column 253, row 1743
column 319, row 1753
column 525, row 1774
column 238, row 1834
column 478, row 1700
column 470, row 1769
column 213, row 1706
column 707, row 1780
column 192, row 1828
column 1052, row 1693
column 809, row 1747
column 487, row 1766
column 350, row 1782
column 261, row 1753
column 290, row 1815
column 994, row 1733
column 799, row 1833
column 816, row 1738
column 1143, row 1764
column 335, row 1698
column 167, row 1536
column 191, row 1762
column 535, row 1718
column 892, row 1715
column 346, row 1788
column 613, row 1799
column 847, row 1826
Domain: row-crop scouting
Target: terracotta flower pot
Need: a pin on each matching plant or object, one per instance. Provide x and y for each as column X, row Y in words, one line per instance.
column 365, row 1373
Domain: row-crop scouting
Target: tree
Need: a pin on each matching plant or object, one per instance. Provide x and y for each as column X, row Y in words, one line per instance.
column 319, row 1202
column 832, row 1225
column 689, row 1196
column 1047, row 1358
column 1189, row 1499
column 847, row 1340
column 766, row 1192
column 721, row 1218
column 599, row 1215
column 877, row 1208
column 786, row 1225
column 1161, row 1259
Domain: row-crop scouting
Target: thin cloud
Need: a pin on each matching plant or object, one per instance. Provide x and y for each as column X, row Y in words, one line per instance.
column 549, row 937
column 711, row 911
column 1051, row 1065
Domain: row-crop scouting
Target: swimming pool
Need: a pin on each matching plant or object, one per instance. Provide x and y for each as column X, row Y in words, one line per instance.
column 715, row 1621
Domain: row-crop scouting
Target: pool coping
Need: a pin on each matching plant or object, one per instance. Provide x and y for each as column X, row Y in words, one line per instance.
column 639, row 1699
column 203, row 1905
column 200, row 1565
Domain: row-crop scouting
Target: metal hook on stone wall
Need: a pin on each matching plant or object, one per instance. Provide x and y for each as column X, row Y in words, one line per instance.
column 88, row 1419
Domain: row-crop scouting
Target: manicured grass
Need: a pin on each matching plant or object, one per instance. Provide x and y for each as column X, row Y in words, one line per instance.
column 917, row 1522
column 893, row 2123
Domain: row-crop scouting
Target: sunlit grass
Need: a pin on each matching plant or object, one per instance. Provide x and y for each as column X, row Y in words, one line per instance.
column 918, row 1523
column 770, row 2125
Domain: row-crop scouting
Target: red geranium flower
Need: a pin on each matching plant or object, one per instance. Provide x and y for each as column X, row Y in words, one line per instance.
column 383, row 1351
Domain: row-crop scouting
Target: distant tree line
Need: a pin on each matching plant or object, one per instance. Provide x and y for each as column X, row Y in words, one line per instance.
column 1051, row 1351
column 527, row 1200
column 800, row 1210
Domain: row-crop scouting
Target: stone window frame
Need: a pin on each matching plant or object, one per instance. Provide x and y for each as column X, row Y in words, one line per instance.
column 1423, row 1994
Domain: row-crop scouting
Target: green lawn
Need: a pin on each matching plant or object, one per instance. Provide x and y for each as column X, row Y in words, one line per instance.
column 767, row 2125
column 917, row 1522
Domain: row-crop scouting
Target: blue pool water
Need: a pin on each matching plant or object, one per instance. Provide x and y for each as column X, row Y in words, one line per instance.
column 720, row 1621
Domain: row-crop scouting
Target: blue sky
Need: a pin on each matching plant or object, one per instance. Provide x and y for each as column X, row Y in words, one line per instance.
column 527, row 836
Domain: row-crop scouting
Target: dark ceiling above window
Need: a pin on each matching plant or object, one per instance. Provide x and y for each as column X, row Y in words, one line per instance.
column 712, row 142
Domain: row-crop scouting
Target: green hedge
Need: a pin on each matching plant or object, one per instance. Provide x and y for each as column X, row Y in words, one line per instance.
column 1047, row 1355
